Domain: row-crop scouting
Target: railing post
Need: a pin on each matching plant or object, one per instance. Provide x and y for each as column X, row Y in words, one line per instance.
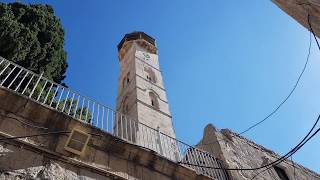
column 159, row 141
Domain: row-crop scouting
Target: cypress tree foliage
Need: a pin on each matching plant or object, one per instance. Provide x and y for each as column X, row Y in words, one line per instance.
column 32, row 36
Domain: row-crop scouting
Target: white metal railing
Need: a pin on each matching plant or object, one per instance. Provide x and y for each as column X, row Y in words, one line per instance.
column 63, row 99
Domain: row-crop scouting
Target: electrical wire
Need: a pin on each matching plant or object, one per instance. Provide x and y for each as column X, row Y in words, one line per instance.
column 283, row 101
column 289, row 155
column 311, row 31
column 283, row 158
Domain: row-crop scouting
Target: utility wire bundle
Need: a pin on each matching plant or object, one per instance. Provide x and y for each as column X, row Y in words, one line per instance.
column 293, row 150
column 274, row 163
column 290, row 93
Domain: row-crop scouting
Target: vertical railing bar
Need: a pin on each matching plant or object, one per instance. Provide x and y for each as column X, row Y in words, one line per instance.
column 205, row 159
column 149, row 138
column 115, row 123
column 198, row 158
column 135, row 135
column 211, row 170
column 71, row 104
column 87, row 110
column 8, row 75
column 145, row 135
column 65, row 101
column 75, row 109
column 192, row 161
column 224, row 171
column 59, row 97
column 25, row 88
column 166, row 147
column 177, row 153
column 118, row 123
column 142, row 135
column 21, row 81
column 107, row 121
column 159, row 141
column 154, row 140
column 93, row 103
column 34, row 87
column 5, row 68
column 130, row 130
column 218, row 171
column 180, row 150
column 42, row 90
column 81, row 108
column 45, row 99
column 213, row 165
column 98, row 113
column 126, row 126
column 225, row 176
column 195, row 159
column 121, row 122
column 15, row 78
column 102, row 118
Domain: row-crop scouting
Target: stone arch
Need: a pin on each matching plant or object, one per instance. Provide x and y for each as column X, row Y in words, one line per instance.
column 154, row 99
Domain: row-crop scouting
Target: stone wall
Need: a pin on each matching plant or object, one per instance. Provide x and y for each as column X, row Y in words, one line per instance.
column 239, row 152
column 44, row 157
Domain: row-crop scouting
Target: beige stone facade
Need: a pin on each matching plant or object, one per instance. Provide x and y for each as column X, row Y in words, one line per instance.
column 239, row 152
column 44, row 157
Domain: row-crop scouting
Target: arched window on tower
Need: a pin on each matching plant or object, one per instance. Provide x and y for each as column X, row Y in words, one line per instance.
column 150, row 75
column 154, row 100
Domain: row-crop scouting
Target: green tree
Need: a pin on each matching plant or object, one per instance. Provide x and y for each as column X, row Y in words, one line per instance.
column 33, row 37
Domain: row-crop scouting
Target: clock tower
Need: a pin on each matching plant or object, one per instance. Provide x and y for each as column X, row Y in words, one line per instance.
column 141, row 93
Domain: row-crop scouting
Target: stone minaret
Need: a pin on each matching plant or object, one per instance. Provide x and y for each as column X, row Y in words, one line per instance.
column 141, row 94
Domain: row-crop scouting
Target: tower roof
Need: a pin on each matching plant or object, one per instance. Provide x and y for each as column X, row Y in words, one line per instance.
column 136, row 35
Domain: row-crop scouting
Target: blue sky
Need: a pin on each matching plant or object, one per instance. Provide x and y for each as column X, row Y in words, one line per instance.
column 228, row 63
